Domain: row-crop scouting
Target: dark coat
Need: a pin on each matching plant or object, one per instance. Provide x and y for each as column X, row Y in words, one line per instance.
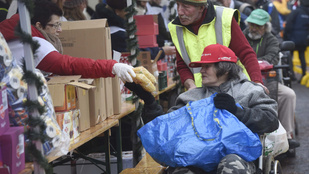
column 266, row 48
column 297, row 27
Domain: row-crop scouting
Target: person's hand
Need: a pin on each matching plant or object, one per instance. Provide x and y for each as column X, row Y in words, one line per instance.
column 225, row 101
column 124, row 72
column 264, row 87
column 169, row 50
column 189, row 84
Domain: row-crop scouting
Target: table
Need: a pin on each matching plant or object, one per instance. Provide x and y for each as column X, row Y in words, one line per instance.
column 93, row 132
column 103, row 127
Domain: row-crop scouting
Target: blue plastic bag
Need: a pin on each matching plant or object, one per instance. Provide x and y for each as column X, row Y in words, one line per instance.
column 199, row 135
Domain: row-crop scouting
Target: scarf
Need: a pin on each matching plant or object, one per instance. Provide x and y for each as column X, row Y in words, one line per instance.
column 54, row 40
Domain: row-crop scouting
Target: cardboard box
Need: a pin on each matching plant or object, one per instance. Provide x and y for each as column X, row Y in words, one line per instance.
column 146, row 25
column 57, row 86
column 147, row 41
column 150, row 65
column 4, row 115
column 83, row 104
column 12, row 148
column 86, row 38
column 109, row 97
column 62, row 92
column 97, row 104
column 116, row 95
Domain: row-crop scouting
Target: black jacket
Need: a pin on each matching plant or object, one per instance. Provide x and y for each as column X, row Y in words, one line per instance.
column 297, row 27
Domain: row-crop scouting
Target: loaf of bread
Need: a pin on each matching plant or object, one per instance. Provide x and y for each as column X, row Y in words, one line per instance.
column 142, row 70
column 145, row 79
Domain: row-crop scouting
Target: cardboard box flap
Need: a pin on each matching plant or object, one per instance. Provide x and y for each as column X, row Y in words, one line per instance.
column 81, row 85
column 84, row 24
column 63, row 79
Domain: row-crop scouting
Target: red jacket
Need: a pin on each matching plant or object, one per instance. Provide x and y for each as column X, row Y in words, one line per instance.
column 60, row 64
column 238, row 44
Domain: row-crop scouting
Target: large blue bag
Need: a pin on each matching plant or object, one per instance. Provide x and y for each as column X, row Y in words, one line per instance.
column 199, row 135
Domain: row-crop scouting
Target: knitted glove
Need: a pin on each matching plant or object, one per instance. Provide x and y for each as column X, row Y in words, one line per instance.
column 124, row 72
column 225, row 101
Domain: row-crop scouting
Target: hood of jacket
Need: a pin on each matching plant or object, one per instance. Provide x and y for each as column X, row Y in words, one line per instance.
column 112, row 18
column 7, row 28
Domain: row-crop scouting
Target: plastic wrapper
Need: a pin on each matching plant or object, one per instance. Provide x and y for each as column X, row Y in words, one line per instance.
column 11, row 75
column 5, row 57
column 145, row 79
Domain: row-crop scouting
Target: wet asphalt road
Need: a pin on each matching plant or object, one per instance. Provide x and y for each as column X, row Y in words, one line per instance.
column 300, row 163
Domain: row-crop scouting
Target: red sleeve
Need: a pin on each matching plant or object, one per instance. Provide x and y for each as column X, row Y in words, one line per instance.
column 7, row 28
column 57, row 63
column 182, row 68
column 241, row 47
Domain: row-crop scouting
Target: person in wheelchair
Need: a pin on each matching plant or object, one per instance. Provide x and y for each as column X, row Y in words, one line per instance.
column 221, row 75
column 266, row 46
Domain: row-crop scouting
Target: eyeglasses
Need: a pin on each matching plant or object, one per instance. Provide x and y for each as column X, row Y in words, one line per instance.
column 56, row 25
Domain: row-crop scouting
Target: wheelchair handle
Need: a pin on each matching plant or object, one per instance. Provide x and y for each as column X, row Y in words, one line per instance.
column 281, row 67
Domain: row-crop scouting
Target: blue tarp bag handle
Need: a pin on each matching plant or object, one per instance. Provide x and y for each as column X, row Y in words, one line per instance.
column 206, row 129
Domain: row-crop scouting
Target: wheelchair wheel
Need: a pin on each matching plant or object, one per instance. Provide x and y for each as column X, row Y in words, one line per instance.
column 276, row 168
column 271, row 166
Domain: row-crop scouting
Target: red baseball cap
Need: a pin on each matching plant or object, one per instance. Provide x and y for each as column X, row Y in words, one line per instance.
column 215, row 53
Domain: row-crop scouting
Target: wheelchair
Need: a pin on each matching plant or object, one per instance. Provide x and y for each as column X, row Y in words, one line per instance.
column 272, row 75
column 267, row 164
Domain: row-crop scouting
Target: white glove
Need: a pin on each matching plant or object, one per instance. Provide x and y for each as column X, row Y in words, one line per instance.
column 123, row 71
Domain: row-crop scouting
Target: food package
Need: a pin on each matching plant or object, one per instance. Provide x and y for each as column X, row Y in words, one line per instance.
column 145, row 79
column 11, row 75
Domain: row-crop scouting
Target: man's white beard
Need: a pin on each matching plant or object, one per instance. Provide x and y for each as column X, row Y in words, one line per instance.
column 254, row 36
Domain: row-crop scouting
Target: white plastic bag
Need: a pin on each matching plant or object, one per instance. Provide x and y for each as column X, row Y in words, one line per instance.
column 276, row 142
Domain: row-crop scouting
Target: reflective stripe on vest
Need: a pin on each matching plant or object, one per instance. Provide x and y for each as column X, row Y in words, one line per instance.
column 219, row 39
column 184, row 53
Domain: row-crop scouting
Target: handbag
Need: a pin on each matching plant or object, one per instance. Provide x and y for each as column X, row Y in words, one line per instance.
column 199, row 135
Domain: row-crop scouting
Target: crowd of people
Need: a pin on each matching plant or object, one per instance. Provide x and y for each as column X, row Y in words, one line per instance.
column 244, row 31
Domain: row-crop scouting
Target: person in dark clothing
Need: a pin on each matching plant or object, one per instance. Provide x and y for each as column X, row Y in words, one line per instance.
column 297, row 30
column 114, row 11
column 274, row 14
column 154, row 8
column 4, row 6
column 266, row 46
column 245, row 9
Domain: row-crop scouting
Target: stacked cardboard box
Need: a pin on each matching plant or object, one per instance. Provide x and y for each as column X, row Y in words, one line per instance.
column 91, row 39
column 147, row 29
column 68, row 94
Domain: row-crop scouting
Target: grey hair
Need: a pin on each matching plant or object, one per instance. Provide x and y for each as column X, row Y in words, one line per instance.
column 232, row 70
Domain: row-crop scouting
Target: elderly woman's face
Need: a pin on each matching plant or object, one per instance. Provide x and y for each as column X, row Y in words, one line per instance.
column 53, row 26
column 209, row 77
